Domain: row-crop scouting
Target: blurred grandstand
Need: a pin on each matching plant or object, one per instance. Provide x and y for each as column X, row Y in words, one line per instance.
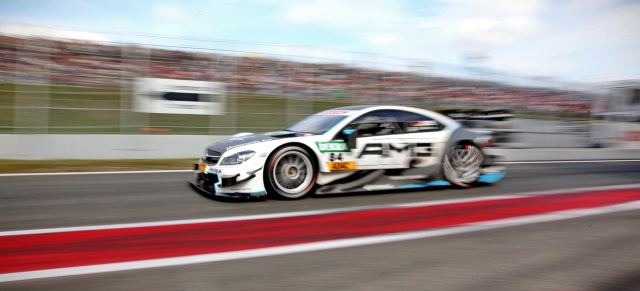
column 57, row 85
column 65, row 62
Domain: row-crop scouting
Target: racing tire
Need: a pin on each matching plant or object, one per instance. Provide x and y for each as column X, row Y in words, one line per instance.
column 291, row 173
column 461, row 164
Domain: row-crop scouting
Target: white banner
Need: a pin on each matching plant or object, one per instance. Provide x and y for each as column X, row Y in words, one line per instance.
column 178, row 96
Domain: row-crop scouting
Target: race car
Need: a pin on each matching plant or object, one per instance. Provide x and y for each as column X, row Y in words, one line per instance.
column 347, row 149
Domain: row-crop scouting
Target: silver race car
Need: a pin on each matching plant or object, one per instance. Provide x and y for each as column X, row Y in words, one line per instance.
column 347, row 149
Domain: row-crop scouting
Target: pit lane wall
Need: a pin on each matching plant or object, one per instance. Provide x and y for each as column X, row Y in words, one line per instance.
column 624, row 134
column 108, row 147
column 620, row 141
column 102, row 147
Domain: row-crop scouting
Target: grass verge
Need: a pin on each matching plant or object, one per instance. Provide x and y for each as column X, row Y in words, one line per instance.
column 55, row 166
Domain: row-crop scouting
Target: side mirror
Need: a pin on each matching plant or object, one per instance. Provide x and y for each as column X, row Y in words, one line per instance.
column 350, row 137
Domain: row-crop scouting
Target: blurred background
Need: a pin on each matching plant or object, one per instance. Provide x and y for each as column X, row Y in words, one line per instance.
column 532, row 73
column 118, row 86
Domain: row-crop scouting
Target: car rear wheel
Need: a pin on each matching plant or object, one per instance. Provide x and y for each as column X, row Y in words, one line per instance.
column 462, row 163
column 291, row 173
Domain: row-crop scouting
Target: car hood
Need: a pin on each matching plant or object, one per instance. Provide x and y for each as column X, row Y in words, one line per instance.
column 240, row 141
column 249, row 139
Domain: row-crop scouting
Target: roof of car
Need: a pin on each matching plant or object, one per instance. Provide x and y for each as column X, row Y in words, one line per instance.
column 365, row 107
column 356, row 107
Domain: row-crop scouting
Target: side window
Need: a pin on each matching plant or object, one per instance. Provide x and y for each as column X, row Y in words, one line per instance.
column 413, row 122
column 375, row 123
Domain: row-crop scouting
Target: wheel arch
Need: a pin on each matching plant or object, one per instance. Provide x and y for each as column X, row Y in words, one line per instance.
column 314, row 157
column 460, row 136
column 267, row 167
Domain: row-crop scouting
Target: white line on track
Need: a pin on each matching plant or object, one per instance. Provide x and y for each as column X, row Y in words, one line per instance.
column 95, row 173
column 185, row 171
column 311, row 212
column 566, row 162
column 317, row 246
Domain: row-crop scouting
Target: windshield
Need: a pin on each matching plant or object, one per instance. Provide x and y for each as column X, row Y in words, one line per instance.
column 316, row 124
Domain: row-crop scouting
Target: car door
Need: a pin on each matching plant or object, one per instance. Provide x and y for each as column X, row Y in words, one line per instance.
column 380, row 142
column 425, row 135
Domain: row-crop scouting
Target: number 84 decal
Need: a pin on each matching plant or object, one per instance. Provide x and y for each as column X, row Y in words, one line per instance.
column 335, row 157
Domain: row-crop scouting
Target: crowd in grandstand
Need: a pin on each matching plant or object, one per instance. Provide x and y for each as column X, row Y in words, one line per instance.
column 64, row 62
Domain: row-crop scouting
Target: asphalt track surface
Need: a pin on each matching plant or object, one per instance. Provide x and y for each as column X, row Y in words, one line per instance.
column 592, row 252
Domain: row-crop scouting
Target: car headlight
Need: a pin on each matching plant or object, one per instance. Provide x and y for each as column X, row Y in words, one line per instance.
column 237, row 159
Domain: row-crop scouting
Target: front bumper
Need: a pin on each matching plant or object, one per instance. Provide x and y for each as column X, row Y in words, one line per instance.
column 233, row 182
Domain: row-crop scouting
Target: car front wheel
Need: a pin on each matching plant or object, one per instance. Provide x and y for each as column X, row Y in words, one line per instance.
column 291, row 173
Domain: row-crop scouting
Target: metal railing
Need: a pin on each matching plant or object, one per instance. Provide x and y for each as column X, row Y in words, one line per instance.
column 59, row 86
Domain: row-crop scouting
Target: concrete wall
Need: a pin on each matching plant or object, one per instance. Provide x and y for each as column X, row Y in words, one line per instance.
column 535, row 133
column 107, row 147
column 102, row 147
column 549, row 154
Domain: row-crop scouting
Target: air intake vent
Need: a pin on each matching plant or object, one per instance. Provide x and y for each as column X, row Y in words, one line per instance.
column 212, row 156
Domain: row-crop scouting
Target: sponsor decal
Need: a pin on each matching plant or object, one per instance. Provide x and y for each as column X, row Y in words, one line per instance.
column 249, row 143
column 202, row 167
column 423, row 126
column 234, row 139
column 333, row 147
column 378, row 187
column 173, row 96
column 424, row 123
column 337, row 112
column 340, row 166
column 385, row 149
column 408, row 177
column 240, row 189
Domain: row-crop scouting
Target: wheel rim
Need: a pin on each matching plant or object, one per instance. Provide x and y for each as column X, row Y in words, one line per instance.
column 293, row 173
column 462, row 164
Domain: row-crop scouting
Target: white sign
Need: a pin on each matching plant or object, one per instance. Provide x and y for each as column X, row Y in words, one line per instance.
column 178, row 96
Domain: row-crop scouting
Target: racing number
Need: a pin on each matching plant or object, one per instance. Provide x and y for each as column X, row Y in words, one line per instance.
column 335, row 157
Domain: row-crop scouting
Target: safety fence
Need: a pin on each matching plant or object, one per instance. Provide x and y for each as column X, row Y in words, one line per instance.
column 60, row 86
